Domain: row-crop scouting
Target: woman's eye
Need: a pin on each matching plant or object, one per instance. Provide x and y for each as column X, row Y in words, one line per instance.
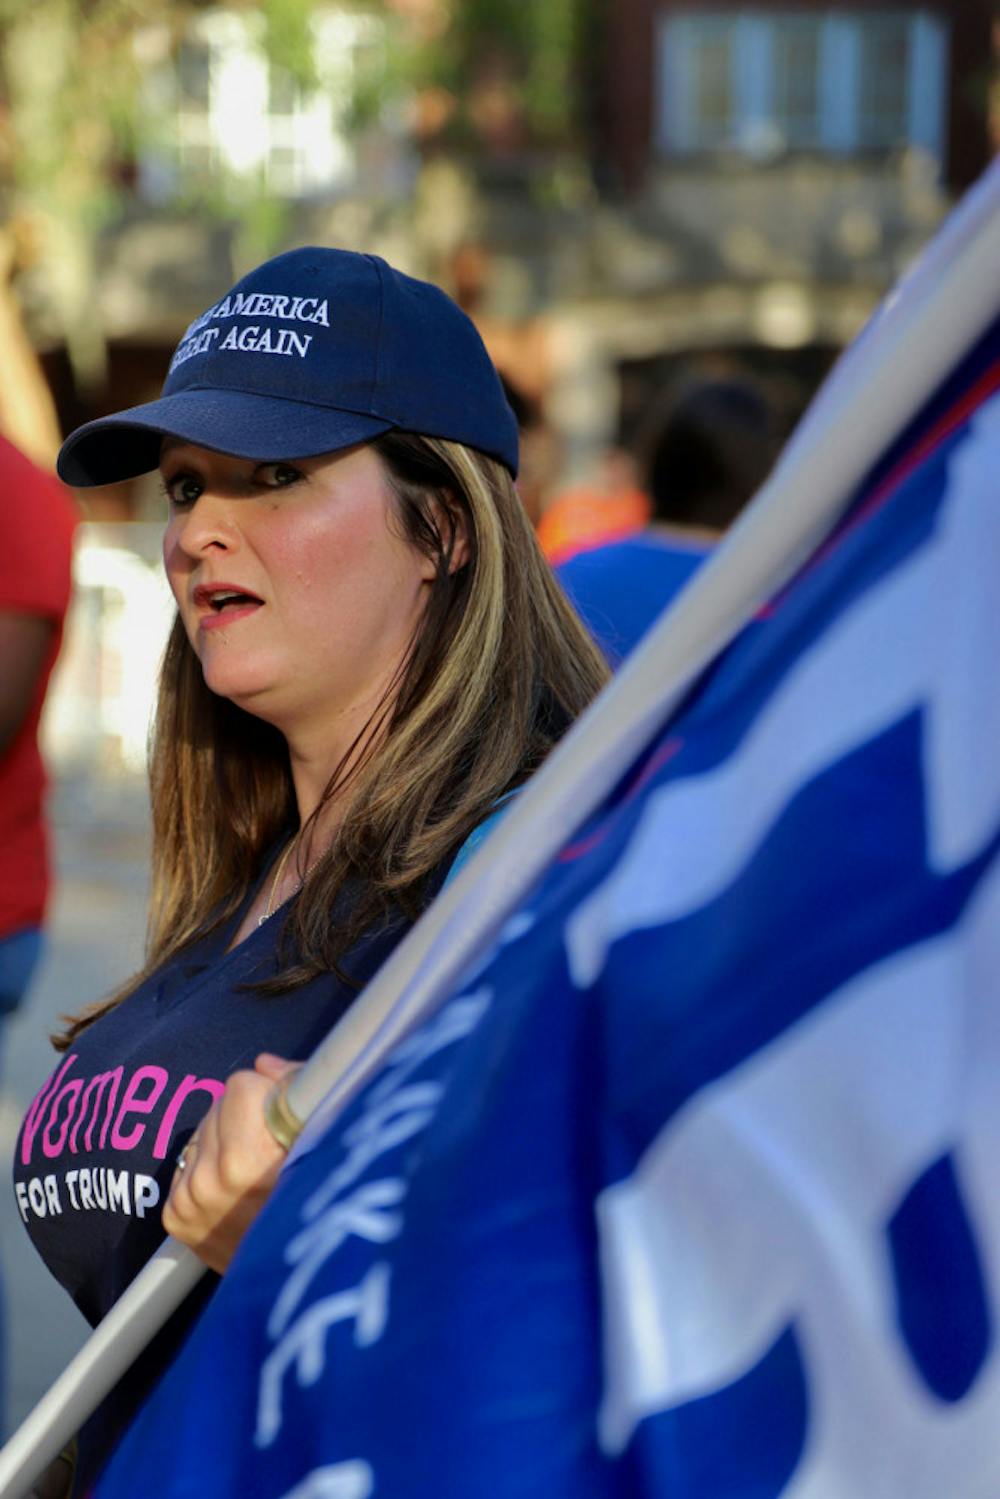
column 182, row 489
column 278, row 475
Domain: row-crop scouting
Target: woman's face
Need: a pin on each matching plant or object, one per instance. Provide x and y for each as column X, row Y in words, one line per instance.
column 297, row 590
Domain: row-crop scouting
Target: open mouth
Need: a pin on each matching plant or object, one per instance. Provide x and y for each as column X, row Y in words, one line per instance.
column 219, row 597
column 222, row 600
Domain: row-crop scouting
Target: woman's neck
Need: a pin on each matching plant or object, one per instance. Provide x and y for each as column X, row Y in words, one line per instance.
column 324, row 758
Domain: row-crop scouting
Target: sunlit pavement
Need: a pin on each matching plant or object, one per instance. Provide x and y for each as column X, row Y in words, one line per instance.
column 96, row 928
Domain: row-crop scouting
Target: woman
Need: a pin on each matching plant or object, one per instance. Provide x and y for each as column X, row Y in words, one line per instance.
column 369, row 655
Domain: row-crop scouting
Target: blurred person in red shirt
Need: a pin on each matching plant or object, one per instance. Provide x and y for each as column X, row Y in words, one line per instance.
column 35, row 564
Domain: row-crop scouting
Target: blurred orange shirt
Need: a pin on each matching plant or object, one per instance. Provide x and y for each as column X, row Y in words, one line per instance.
column 580, row 519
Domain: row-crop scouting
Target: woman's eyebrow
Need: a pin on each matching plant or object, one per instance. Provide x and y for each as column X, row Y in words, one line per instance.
column 169, row 446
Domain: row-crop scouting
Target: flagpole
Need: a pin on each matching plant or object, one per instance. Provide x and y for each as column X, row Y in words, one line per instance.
column 876, row 388
column 931, row 321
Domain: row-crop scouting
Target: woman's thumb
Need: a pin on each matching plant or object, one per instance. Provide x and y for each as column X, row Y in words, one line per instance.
column 274, row 1068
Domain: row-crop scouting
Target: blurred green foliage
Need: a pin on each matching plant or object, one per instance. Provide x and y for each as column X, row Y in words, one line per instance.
column 82, row 101
column 535, row 52
column 77, row 80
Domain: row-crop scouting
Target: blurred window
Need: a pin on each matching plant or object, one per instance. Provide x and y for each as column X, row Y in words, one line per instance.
column 194, row 74
column 712, row 68
column 284, row 92
column 765, row 82
column 884, row 82
column 236, row 112
column 197, row 151
column 796, row 98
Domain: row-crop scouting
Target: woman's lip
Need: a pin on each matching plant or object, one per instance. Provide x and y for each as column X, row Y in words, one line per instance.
column 206, row 592
column 218, row 620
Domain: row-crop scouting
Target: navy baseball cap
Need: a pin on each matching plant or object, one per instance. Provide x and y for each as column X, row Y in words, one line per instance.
column 313, row 351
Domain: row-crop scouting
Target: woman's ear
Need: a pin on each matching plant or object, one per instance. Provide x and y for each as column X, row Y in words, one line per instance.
column 452, row 525
column 461, row 550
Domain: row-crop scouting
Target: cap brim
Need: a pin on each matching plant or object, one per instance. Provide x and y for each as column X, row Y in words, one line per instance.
column 228, row 421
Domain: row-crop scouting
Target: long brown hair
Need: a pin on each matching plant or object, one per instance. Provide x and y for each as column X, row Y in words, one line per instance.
column 499, row 668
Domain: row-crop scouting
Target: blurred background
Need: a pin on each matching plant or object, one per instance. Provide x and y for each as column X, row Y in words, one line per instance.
column 624, row 195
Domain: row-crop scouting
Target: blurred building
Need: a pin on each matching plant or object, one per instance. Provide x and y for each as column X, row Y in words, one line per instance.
column 745, row 183
column 855, row 81
column 779, row 165
column 751, row 180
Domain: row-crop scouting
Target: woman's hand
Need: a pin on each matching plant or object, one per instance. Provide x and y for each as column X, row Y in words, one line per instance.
column 230, row 1166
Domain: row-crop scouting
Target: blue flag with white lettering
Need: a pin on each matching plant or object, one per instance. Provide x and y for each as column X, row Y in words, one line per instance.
column 693, row 1189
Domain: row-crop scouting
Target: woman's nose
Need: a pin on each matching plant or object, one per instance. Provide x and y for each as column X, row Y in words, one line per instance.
column 209, row 525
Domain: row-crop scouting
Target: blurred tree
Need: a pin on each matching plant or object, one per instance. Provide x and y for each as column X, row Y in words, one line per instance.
column 73, row 117
column 501, row 75
column 499, row 96
column 498, row 79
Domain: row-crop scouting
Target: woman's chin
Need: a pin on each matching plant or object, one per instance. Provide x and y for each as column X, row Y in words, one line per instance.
column 244, row 690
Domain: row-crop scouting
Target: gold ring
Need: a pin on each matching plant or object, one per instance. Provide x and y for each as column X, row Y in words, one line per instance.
column 280, row 1118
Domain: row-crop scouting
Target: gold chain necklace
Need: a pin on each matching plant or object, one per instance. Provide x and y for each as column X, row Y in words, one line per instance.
column 278, row 872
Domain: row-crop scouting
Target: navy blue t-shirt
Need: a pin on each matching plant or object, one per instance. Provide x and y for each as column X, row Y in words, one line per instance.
column 99, row 1144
